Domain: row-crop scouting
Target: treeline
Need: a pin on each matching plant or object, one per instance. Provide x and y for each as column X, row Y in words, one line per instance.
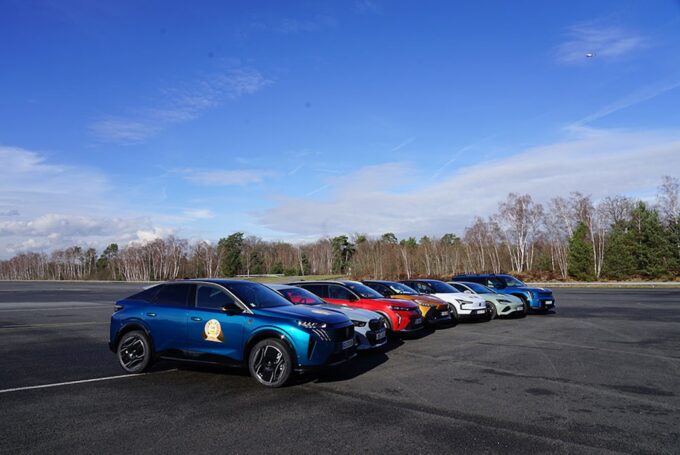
column 569, row 238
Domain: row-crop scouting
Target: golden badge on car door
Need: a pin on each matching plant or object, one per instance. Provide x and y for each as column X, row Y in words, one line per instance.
column 213, row 331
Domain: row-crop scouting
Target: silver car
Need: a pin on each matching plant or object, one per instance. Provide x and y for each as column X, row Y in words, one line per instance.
column 369, row 327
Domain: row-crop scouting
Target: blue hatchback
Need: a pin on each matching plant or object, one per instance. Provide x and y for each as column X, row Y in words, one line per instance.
column 533, row 298
column 228, row 321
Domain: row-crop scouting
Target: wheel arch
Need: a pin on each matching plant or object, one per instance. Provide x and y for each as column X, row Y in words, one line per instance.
column 263, row 335
column 129, row 327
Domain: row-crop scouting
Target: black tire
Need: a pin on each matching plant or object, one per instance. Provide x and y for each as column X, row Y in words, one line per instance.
column 270, row 363
column 134, row 352
column 454, row 314
column 387, row 320
column 493, row 314
column 525, row 303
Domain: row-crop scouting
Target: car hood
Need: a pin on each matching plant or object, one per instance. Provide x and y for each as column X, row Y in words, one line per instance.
column 458, row 295
column 354, row 314
column 508, row 297
column 305, row 313
column 397, row 302
column 527, row 288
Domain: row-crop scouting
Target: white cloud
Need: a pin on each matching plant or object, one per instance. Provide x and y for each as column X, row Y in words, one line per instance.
column 178, row 105
column 377, row 199
column 605, row 42
column 199, row 214
column 219, row 177
column 46, row 206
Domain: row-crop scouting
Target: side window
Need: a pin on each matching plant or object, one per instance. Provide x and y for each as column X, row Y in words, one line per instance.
column 459, row 287
column 212, row 297
column 381, row 288
column 173, row 295
column 319, row 289
column 488, row 282
column 338, row 292
column 147, row 294
column 421, row 287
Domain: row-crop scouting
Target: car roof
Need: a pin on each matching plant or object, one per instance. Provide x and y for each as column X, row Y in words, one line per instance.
column 295, row 283
column 213, row 280
column 279, row 286
column 379, row 281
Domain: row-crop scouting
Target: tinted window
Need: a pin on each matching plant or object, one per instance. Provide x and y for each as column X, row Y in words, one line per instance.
column 422, row 288
column 459, row 287
column 212, row 297
column 301, row 296
column 257, row 295
column 379, row 287
column 441, row 287
column 173, row 294
column 147, row 294
column 364, row 291
column 402, row 289
column 319, row 289
column 479, row 288
column 338, row 292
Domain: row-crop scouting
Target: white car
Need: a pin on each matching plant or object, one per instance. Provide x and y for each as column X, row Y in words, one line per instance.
column 463, row 306
column 369, row 327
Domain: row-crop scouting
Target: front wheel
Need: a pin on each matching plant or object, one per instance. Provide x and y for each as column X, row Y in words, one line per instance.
column 454, row 313
column 134, row 352
column 270, row 363
column 525, row 303
column 493, row 314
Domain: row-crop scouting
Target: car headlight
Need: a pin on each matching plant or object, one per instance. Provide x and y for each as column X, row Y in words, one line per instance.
column 358, row 323
column 531, row 294
column 399, row 308
column 312, row 325
column 463, row 302
column 504, row 301
column 424, row 303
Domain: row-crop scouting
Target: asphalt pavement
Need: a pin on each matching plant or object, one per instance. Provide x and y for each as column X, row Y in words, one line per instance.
column 599, row 375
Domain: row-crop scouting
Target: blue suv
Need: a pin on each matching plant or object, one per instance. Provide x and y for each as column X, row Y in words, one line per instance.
column 228, row 321
column 533, row 298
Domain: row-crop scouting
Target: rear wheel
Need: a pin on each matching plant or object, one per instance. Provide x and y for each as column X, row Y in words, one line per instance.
column 270, row 363
column 134, row 352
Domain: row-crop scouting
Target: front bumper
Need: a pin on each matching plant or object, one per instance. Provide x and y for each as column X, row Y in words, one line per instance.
column 542, row 303
column 371, row 339
column 476, row 313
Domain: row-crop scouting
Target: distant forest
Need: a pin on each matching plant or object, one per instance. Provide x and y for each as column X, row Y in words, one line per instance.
column 617, row 238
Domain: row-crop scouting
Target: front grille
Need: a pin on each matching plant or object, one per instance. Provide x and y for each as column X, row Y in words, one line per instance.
column 341, row 334
column 375, row 324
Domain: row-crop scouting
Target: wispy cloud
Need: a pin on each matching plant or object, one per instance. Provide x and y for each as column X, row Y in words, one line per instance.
column 605, row 42
column 637, row 97
column 224, row 177
column 600, row 162
column 199, row 214
column 402, row 144
column 178, row 105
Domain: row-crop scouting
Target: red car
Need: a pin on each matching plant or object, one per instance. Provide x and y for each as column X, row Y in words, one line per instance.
column 400, row 315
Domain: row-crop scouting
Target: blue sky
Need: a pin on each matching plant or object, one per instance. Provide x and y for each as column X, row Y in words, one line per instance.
column 124, row 121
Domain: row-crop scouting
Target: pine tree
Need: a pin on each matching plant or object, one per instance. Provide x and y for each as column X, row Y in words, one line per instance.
column 580, row 254
column 230, row 252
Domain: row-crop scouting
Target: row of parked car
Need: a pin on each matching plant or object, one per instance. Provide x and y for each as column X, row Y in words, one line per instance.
column 278, row 329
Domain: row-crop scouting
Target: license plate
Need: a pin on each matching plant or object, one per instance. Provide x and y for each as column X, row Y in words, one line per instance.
column 480, row 311
column 445, row 313
column 380, row 335
column 548, row 302
column 418, row 321
column 347, row 344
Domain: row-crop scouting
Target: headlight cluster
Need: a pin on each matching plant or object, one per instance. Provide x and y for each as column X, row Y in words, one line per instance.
column 531, row 294
column 358, row 323
column 504, row 301
column 464, row 302
column 312, row 325
column 399, row 308
column 424, row 303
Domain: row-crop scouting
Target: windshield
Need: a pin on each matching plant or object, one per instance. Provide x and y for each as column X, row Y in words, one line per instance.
column 479, row 288
column 257, row 295
column 507, row 281
column 364, row 291
column 442, row 288
column 301, row 296
column 402, row 289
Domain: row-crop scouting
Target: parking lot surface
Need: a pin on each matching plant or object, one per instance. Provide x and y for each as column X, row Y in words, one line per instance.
column 601, row 374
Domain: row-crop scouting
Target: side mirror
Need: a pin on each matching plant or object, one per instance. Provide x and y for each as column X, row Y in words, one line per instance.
column 231, row 310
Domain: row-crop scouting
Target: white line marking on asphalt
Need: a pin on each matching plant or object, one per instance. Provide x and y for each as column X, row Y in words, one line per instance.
column 60, row 324
column 105, row 307
column 81, row 381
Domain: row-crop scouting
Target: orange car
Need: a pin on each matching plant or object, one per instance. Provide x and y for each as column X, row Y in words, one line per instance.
column 434, row 309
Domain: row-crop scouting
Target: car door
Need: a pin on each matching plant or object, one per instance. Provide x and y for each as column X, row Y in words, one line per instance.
column 166, row 316
column 340, row 296
column 210, row 329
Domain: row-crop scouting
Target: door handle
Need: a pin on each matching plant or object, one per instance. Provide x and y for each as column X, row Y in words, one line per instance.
column 196, row 318
column 153, row 315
